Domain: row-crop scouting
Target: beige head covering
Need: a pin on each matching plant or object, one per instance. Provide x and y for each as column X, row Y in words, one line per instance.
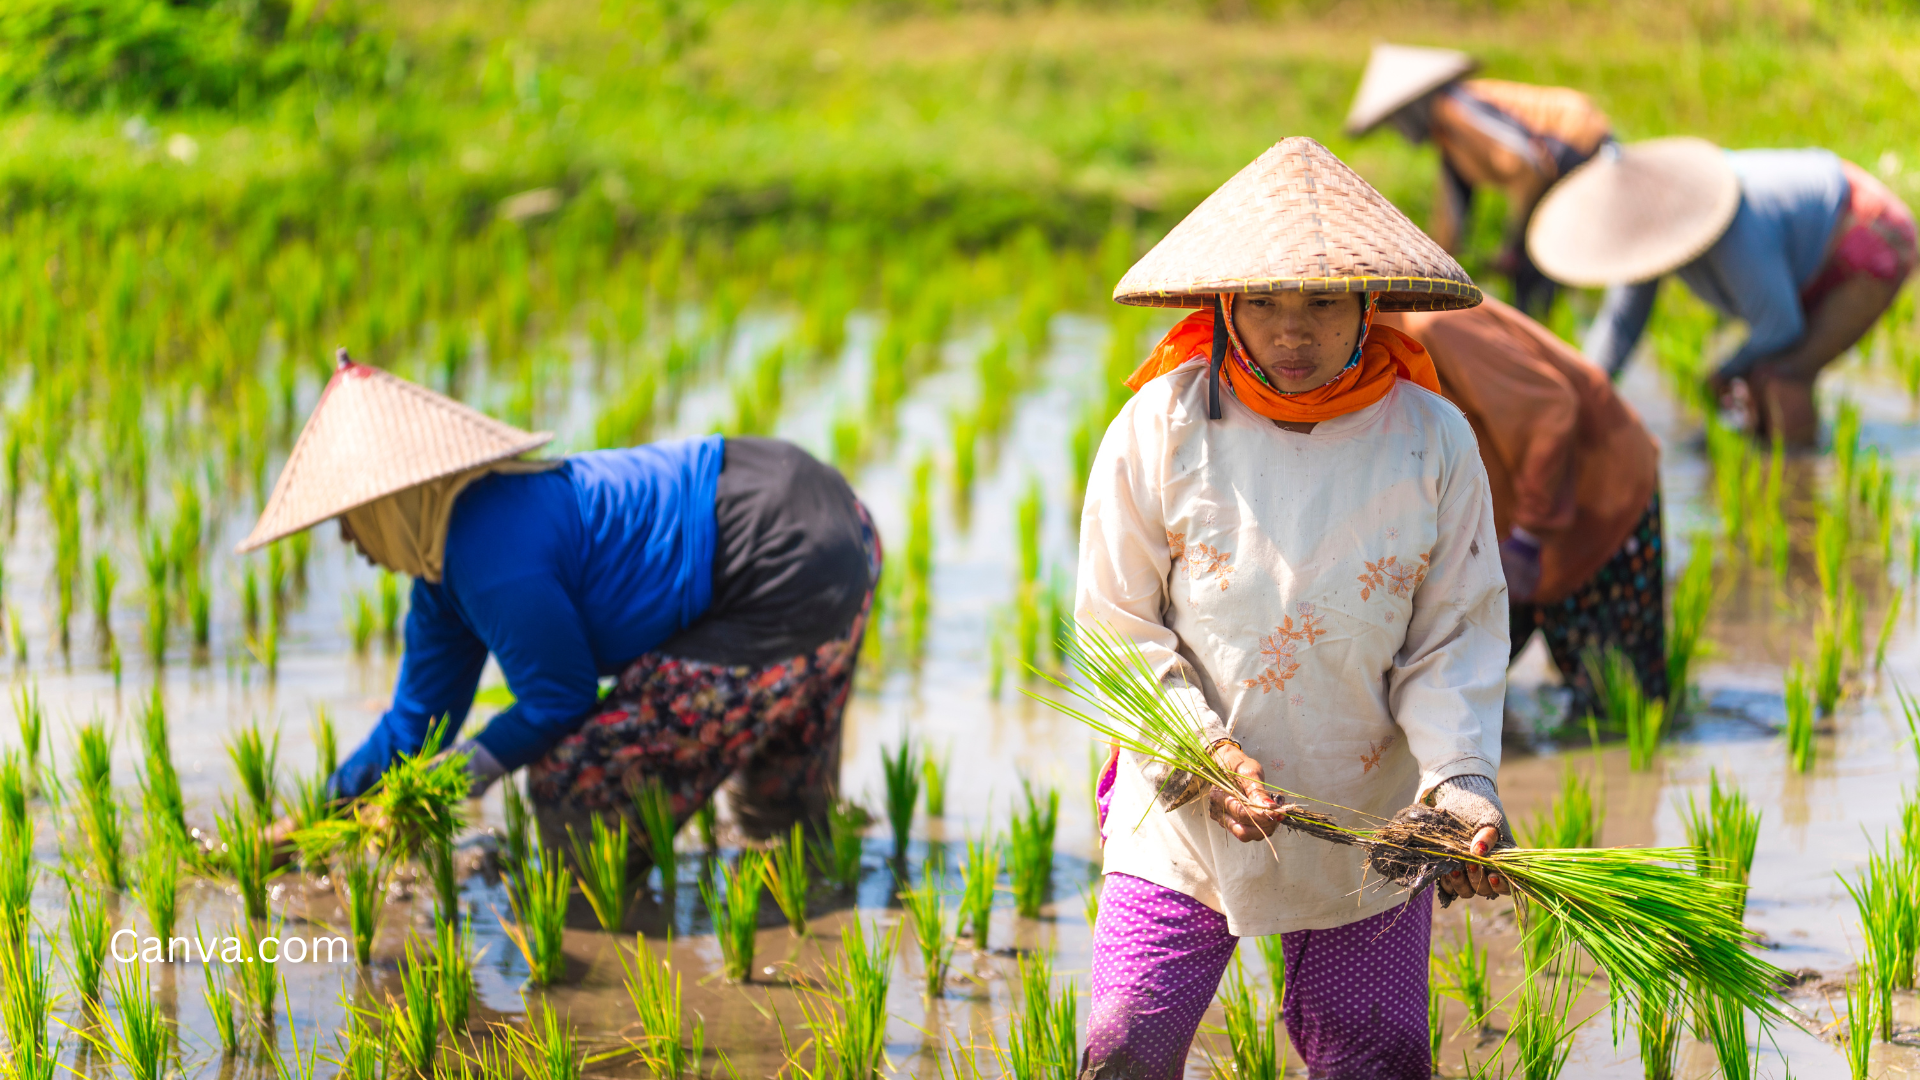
column 1298, row 220
column 390, row 456
column 1398, row 76
column 1634, row 213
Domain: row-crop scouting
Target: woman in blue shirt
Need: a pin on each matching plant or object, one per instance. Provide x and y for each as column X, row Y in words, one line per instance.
column 721, row 585
column 1805, row 248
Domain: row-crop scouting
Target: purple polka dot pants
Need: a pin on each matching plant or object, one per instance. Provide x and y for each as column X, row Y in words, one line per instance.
column 1356, row 1005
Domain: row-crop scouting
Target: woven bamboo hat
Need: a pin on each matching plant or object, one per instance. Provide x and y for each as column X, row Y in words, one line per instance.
column 1634, row 213
column 1298, row 220
column 1398, row 76
column 374, row 434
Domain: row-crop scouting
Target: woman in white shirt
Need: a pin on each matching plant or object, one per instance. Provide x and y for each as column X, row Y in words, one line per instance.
column 1295, row 528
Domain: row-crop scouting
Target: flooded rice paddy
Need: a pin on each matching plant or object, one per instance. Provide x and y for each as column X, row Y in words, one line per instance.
column 957, row 693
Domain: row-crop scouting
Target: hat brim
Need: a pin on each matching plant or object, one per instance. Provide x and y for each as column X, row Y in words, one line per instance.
column 1634, row 213
column 1390, row 293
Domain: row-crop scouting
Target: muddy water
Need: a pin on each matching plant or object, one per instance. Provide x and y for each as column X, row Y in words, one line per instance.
column 1813, row 826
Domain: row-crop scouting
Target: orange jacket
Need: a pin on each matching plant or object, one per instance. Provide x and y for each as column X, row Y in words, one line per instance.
column 1567, row 458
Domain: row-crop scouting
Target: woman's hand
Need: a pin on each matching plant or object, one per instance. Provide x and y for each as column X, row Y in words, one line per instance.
column 1475, row 880
column 1250, row 814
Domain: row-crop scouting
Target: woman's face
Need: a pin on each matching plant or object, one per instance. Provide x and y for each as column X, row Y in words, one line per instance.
column 1300, row 340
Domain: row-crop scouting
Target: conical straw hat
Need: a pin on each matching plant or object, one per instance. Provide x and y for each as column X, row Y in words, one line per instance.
column 1298, row 220
column 1397, row 76
column 1634, row 213
column 374, row 434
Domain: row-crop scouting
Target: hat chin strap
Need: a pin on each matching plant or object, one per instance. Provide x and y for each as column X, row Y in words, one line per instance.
column 1219, row 358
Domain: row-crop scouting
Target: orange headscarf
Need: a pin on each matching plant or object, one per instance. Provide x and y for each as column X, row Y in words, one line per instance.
column 1386, row 354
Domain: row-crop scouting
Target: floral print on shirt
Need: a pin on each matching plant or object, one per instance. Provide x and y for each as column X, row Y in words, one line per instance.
column 1281, row 646
column 1393, row 577
column 1203, row 560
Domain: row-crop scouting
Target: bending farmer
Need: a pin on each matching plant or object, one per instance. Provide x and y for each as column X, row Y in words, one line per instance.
column 1576, row 490
column 1294, row 527
column 1806, row 249
column 1516, row 138
column 722, row 584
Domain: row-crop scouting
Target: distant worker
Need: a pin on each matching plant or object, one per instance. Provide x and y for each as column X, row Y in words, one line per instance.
column 722, row 585
column 1575, row 479
column 1806, row 249
column 1511, row 136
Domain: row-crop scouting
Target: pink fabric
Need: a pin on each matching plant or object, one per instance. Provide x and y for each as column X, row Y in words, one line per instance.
column 1875, row 237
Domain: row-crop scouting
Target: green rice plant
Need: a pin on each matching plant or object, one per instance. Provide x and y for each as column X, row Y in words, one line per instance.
column 734, row 907
column 1625, row 706
column 256, row 761
column 1687, row 618
column 437, row 858
column 1829, row 657
column 655, row 810
column 539, row 902
column 249, row 599
column 707, row 820
column 518, row 838
column 1639, row 913
column 258, row 973
column 933, row 781
column 654, row 988
column 977, row 882
column 1468, row 979
column 248, row 857
column 603, row 870
column 902, row 769
column 360, row 623
column 1040, row 1035
column 161, row 799
column 1572, row 820
column 838, row 853
column 1799, row 729
column 220, row 1008
column 1436, row 1013
column 1861, row 1023
column 26, row 1005
column 415, row 1016
column 1090, row 905
column 1726, row 1024
column 926, row 909
column 1724, row 838
column 326, row 743
column 1659, row 1021
column 789, row 880
column 88, row 927
column 1887, row 624
column 1252, row 1048
column 13, row 795
column 18, row 873
column 919, row 555
column 1887, row 909
column 1541, row 1030
column 368, row 1047
column 310, row 802
column 389, row 609
column 360, row 876
column 1029, row 850
column 548, row 1049
column 158, row 884
column 139, row 1034
column 199, row 614
column 847, row 1012
column 105, row 578
column 17, row 634
column 31, row 720
column 453, row 972
column 1273, row 950
column 99, row 806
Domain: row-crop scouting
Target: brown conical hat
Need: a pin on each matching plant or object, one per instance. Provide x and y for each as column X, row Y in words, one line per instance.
column 1298, row 220
column 1635, row 212
column 374, row 434
column 1397, row 76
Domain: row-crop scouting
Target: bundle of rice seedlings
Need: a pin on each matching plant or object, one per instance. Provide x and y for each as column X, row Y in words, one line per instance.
column 1029, row 850
column 539, row 903
column 603, row 870
column 1541, row 1030
column 259, row 969
column 326, row 743
column 933, row 780
column 367, row 1047
column 707, row 820
column 1861, row 1023
column 1572, row 820
column 1726, row 1024
column 654, row 988
column 1887, row 624
column 160, row 795
column 415, row 1016
column 1883, row 896
column 734, row 907
column 158, row 885
column 1626, row 705
column 926, row 909
column 1640, row 913
column 655, row 809
column 26, row 1005
column 437, row 858
column 453, row 972
column 788, row 879
column 1724, row 838
column 1040, row 1037
column 837, row 855
column 1252, row 1047
column 99, row 807
column 88, row 926
column 518, row 838
column 1659, row 1023
column 1468, row 979
column 139, row 1035
column 1800, row 708
column 1273, row 950
column 847, row 1014
column 31, row 719
column 248, row 857
column 977, row 881
column 1687, row 617
column 220, row 1008
column 13, row 794
column 548, row 1049
column 901, row 768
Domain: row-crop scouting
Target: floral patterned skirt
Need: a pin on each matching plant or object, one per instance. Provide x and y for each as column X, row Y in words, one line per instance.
column 775, row 729
column 1622, row 606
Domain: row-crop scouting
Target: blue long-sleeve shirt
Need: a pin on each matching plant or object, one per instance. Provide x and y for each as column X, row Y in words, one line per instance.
column 563, row 576
column 1790, row 201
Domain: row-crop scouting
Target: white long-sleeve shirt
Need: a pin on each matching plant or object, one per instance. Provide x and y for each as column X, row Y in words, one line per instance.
column 1333, row 601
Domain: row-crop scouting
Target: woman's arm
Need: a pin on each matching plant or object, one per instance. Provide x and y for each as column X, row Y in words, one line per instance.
column 541, row 644
column 438, row 675
column 1618, row 324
